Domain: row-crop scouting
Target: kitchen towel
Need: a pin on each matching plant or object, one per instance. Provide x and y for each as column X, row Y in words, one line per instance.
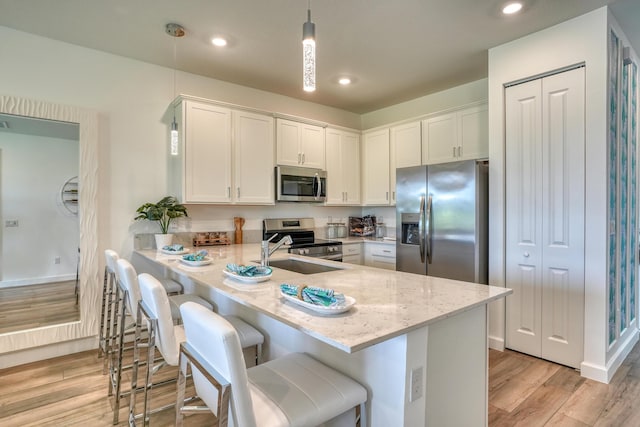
column 313, row 295
column 197, row 256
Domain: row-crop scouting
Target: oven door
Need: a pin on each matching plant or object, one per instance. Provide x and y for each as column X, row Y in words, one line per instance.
column 295, row 184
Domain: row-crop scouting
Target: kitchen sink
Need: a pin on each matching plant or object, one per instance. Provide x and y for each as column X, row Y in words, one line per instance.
column 303, row 267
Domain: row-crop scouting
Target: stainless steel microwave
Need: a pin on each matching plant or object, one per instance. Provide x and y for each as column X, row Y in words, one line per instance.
column 294, row 184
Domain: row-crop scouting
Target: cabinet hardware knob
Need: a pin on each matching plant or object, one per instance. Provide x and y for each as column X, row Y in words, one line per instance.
column 526, row 254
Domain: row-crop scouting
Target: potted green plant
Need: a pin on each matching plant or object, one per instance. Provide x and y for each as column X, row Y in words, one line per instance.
column 163, row 212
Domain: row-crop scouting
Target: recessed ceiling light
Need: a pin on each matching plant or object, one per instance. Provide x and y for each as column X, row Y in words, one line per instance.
column 219, row 41
column 511, row 8
column 344, row 81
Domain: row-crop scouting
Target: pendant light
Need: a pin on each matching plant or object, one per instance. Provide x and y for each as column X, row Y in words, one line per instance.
column 309, row 53
column 174, row 30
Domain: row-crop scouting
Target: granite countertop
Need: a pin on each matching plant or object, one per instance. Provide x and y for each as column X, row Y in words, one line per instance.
column 388, row 303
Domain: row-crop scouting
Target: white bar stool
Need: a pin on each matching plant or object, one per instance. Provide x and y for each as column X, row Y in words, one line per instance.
column 110, row 302
column 126, row 306
column 293, row 390
column 154, row 311
column 106, row 313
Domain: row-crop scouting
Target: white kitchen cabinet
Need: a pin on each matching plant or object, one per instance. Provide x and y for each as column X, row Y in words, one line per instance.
column 343, row 167
column 459, row 135
column 380, row 255
column 206, row 130
column 352, row 253
column 227, row 155
column 545, row 217
column 375, row 168
column 300, row 144
column 254, row 154
column 406, row 144
column 404, row 150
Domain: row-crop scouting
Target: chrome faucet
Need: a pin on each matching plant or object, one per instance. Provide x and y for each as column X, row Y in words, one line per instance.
column 266, row 251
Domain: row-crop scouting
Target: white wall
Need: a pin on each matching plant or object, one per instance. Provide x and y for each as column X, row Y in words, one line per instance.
column 132, row 98
column 450, row 98
column 33, row 172
column 580, row 40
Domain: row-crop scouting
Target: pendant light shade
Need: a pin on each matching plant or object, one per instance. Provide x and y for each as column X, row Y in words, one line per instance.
column 174, row 137
column 309, row 54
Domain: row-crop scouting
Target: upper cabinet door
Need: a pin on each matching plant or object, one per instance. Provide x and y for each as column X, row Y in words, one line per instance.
column 300, row 144
column 254, row 158
column 375, row 168
column 207, row 168
column 312, row 146
column 406, row 141
column 439, row 139
column 343, row 167
column 473, row 133
column 288, row 142
column 459, row 135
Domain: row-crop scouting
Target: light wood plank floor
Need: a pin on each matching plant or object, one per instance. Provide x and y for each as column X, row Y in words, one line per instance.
column 27, row 307
column 523, row 391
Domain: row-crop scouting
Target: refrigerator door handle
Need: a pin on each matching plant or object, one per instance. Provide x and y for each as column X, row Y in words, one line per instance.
column 421, row 224
column 428, row 228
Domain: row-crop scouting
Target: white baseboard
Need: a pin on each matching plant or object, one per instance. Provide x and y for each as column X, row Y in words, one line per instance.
column 496, row 343
column 37, row 281
column 47, row 352
column 604, row 374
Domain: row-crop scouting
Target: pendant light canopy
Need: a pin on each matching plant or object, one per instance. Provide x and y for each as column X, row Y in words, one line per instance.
column 309, row 53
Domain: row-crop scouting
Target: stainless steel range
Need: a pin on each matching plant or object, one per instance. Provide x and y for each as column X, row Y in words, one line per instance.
column 303, row 236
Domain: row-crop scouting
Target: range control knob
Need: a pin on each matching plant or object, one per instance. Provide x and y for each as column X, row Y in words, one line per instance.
column 301, row 251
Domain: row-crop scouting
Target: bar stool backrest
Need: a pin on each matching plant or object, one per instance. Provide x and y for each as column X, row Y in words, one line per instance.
column 129, row 279
column 156, row 301
column 111, row 257
column 217, row 341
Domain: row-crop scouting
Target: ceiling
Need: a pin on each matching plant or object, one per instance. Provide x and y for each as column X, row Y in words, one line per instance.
column 394, row 50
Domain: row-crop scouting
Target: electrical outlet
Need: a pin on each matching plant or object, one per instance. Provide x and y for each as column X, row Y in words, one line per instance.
column 56, row 260
column 417, row 387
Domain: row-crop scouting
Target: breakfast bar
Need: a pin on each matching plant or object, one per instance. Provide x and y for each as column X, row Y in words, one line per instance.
column 417, row 343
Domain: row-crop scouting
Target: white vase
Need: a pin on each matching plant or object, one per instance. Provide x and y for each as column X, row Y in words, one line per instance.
column 163, row 240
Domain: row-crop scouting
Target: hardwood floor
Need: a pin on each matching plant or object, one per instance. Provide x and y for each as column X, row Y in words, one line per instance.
column 523, row 391
column 27, row 307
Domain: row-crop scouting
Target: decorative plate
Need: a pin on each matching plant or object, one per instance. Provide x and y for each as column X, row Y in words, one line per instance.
column 205, row 261
column 248, row 279
column 182, row 252
column 349, row 302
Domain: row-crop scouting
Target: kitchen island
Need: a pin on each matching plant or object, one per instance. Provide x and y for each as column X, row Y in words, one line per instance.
column 417, row 343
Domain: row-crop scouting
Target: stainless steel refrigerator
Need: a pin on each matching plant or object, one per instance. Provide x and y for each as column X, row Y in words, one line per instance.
column 442, row 220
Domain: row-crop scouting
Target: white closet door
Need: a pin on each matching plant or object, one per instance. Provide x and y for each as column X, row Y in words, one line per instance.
column 563, row 152
column 545, row 156
column 524, row 210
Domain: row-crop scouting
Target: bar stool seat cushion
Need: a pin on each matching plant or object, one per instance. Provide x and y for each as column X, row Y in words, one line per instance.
column 297, row 390
column 171, row 286
column 249, row 336
column 177, row 300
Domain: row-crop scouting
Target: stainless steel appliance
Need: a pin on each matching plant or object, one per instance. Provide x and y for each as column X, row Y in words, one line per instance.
column 294, row 184
column 303, row 236
column 441, row 212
